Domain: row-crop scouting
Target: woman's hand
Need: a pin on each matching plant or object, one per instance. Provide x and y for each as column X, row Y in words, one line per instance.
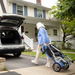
column 44, row 43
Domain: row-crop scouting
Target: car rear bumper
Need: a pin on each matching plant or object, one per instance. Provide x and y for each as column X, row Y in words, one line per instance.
column 14, row 50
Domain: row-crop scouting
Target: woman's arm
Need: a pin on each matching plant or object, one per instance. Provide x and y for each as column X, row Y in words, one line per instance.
column 43, row 33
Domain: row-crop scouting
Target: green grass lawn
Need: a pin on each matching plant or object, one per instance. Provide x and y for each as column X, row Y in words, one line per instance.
column 68, row 50
column 28, row 50
column 33, row 53
column 72, row 56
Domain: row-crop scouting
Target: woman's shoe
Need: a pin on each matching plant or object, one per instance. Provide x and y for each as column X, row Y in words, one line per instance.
column 33, row 61
column 47, row 65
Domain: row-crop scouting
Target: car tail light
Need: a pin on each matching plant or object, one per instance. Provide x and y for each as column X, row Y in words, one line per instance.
column 23, row 37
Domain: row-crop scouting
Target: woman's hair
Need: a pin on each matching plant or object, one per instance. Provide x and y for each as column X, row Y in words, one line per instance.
column 39, row 25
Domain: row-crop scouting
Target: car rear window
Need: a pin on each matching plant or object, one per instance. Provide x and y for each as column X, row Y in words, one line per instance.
column 10, row 21
column 7, row 33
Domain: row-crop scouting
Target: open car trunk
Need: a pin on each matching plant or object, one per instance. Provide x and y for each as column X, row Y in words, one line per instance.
column 10, row 36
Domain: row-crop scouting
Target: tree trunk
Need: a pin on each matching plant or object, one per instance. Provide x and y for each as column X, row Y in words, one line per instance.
column 64, row 36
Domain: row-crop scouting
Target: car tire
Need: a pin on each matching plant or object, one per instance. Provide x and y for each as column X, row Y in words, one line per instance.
column 17, row 54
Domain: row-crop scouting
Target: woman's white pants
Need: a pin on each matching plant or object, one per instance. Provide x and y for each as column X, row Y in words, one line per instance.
column 38, row 54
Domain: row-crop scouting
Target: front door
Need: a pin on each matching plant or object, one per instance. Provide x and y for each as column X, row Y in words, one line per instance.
column 22, row 29
column 36, row 33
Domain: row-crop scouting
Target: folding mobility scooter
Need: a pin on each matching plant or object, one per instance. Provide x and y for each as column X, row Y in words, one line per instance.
column 61, row 61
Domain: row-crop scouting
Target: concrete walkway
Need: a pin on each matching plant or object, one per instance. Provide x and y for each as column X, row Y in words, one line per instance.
column 42, row 70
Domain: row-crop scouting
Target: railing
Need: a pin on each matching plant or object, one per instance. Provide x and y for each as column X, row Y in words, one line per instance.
column 28, row 41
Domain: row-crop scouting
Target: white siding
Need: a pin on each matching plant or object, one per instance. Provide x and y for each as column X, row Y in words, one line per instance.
column 10, row 8
column 5, row 4
column 30, row 11
column 54, row 38
column 1, row 12
column 72, row 41
column 47, row 15
column 50, row 31
column 31, row 30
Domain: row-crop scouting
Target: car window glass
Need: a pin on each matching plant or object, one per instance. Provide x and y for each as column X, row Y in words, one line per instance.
column 3, row 33
column 7, row 33
column 10, row 21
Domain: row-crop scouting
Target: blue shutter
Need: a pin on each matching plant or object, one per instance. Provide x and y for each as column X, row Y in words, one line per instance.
column 35, row 12
column 14, row 8
column 44, row 14
column 25, row 10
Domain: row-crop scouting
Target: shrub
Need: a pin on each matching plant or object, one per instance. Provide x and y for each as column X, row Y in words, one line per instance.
column 69, row 45
column 5, row 69
column 59, row 47
column 55, row 43
column 62, row 45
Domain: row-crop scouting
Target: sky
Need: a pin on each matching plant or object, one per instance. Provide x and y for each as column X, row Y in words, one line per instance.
column 46, row 3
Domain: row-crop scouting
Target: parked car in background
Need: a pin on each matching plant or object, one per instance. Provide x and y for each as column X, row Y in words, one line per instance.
column 10, row 38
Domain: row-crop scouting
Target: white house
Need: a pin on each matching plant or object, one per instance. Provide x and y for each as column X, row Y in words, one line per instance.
column 33, row 13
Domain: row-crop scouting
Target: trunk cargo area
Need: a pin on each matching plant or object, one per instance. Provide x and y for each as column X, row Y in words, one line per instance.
column 10, row 36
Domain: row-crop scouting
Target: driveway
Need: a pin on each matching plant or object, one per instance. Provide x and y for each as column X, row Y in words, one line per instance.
column 23, row 66
column 21, row 62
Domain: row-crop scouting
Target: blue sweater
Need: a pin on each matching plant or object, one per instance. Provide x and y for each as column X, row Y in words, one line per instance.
column 43, row 36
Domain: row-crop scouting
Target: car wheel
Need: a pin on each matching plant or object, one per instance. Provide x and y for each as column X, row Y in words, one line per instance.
column 17, row 54
column 56, row 67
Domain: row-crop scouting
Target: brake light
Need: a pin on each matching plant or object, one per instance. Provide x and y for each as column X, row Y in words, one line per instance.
column 23, row 37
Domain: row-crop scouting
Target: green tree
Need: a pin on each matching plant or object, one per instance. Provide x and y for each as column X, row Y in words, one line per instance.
column 65, row 12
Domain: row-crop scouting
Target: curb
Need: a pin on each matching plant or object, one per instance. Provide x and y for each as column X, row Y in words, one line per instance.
column 33, row 56
column 68, row 52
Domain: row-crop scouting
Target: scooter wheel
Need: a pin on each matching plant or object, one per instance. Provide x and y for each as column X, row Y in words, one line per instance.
column 56, row 67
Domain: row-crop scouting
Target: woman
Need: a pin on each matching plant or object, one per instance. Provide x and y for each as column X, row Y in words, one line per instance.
column 43, row 39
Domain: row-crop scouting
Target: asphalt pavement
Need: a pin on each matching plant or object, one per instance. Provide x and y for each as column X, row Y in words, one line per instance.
column 23, row 61
column 23, row 66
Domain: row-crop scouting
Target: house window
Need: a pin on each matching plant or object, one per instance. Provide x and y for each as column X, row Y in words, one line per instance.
column 40, row 13
column 19, row 10
column 54, row 31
